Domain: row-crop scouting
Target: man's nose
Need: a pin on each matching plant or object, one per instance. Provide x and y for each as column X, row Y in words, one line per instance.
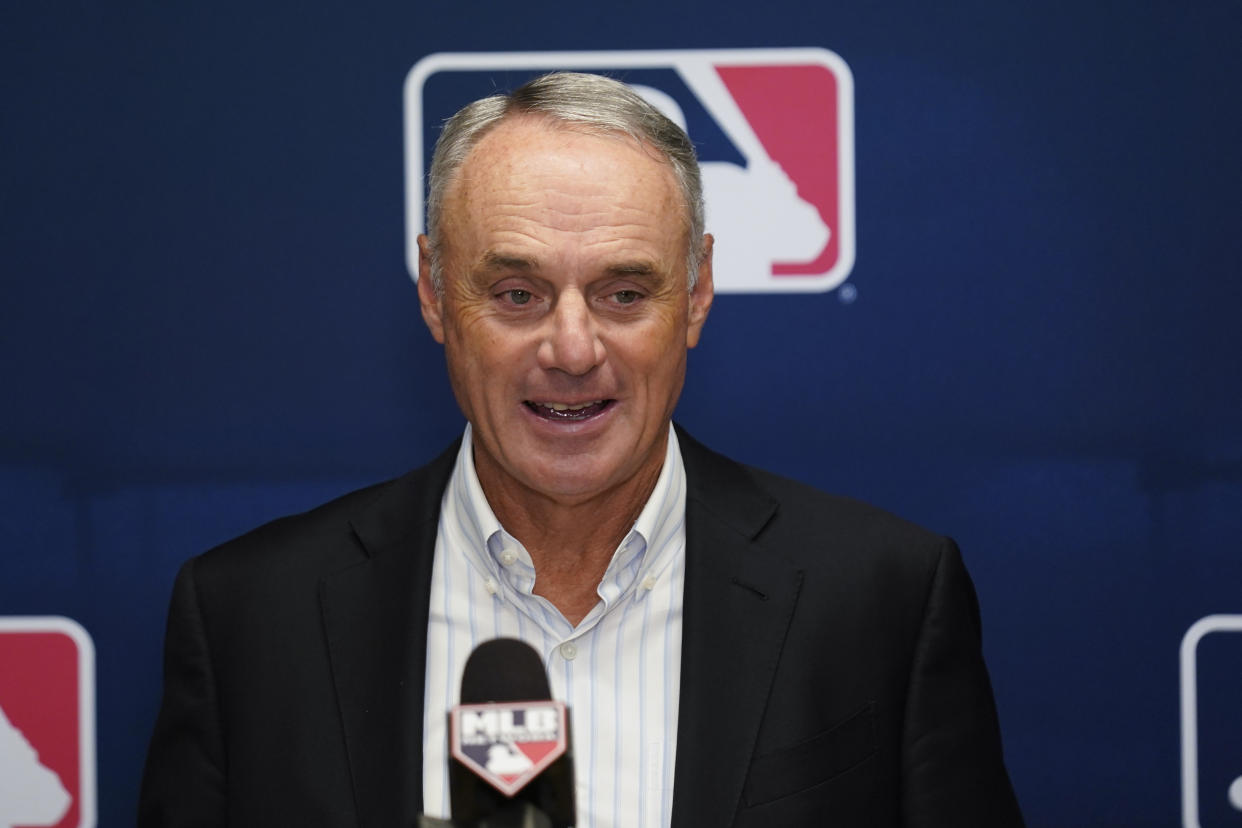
column 571, row 340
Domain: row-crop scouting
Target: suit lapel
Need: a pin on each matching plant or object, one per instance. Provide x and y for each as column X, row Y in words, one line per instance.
column 375, row 622
column 739, row 599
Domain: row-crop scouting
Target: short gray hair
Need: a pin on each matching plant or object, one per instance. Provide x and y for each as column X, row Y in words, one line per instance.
column 591, row 102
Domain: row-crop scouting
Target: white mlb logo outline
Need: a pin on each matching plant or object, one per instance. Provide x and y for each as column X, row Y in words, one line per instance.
column 795, row 243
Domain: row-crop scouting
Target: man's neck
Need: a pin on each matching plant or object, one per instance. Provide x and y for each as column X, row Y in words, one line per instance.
column 572, row 543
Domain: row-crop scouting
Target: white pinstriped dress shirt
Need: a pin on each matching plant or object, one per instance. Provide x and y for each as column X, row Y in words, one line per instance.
column 619, row 670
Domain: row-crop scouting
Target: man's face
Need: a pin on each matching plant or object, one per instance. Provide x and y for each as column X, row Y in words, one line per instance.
column 566, row 315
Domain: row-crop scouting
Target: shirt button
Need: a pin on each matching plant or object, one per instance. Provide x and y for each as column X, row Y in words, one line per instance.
column 569, row 651
column 508, row 557
column 649, row 583
column 491, row 586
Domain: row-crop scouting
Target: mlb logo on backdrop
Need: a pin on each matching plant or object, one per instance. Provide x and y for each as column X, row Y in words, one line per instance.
column 47, row 723
column 773, row 128
column 1211, row 713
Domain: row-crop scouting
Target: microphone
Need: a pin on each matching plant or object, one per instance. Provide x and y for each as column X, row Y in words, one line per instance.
column 510, row 759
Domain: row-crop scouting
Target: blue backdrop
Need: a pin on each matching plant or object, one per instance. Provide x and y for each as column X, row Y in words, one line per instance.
column 207, row 322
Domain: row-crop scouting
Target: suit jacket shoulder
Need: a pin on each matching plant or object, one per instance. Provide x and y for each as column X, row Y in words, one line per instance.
column 293, row 664
column 849, row 642
column 332, row 535
column 807, row 526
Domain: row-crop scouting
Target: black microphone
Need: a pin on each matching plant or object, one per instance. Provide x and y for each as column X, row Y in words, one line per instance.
column 510, row 754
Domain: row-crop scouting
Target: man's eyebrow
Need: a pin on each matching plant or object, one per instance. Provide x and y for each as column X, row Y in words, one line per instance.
column 639, row 268
column 499, row 261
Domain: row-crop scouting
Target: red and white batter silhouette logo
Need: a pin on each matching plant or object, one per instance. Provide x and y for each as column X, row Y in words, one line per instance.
column 773, row 128
column 47, row 728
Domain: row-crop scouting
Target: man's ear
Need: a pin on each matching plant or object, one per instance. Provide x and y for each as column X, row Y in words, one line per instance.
column 702, row 295
column 430, row 304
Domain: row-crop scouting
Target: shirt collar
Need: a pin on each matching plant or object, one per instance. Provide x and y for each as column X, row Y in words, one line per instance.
column 656, row 538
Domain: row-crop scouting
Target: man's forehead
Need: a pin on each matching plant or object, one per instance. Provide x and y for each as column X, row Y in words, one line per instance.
column 541, row 124
column 507, row 147
column 534, row 190
column 503, row 260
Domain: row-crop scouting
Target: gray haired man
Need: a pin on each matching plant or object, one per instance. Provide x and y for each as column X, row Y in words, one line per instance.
column 738, row 649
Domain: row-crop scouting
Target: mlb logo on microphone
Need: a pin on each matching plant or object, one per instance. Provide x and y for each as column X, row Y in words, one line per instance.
column 774, row 130
column 47, row 723
column 1211, row 713
column 508, row 743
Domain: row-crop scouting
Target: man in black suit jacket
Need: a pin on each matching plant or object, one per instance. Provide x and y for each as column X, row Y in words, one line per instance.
column 831, row 671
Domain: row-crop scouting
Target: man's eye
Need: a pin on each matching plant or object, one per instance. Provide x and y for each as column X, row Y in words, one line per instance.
column 626, row 297
column 518, row 297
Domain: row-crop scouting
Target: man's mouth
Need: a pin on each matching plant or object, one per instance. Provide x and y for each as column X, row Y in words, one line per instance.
column 568, row 411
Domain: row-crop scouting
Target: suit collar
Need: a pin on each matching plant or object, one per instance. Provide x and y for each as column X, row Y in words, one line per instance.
column 739, row 599
column 403, row 506
column 375, row 621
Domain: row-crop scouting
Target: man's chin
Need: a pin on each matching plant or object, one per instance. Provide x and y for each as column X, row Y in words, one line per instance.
column 572, row 478
column 568, row 471
column 571, row 487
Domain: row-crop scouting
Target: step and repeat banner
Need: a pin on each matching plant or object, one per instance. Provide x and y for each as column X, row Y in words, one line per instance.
column 978, row 264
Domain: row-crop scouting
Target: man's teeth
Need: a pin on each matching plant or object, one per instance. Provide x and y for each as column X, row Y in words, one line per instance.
column 564, row 407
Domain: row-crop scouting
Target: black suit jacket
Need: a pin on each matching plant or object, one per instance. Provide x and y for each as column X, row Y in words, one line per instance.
column 831, row 668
